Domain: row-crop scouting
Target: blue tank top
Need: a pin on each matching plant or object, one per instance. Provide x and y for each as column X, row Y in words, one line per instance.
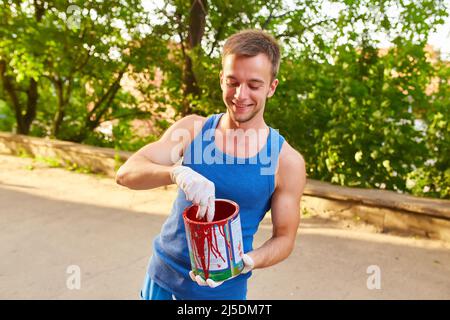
column 247, row 181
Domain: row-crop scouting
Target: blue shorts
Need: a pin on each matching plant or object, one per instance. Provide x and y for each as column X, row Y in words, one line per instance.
column 151, row 291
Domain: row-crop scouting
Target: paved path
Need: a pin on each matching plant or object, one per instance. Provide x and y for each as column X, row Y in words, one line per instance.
column 51, row 219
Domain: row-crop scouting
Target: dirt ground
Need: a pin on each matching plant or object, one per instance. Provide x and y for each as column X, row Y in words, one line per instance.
column 52, row 219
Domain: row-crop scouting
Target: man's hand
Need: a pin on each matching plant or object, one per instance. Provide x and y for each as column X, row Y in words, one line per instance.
column 248, row 266
column 197, row 188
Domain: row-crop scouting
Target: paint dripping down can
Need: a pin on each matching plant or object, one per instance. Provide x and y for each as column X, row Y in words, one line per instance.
column 216, row 247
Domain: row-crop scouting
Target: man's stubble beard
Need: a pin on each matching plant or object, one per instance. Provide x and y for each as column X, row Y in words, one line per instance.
column 247, row 118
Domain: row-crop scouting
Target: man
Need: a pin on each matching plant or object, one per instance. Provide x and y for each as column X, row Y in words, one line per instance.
column 235, row 156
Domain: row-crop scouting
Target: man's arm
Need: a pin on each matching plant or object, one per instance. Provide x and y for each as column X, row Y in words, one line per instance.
column 285, row 208
column 150, row 167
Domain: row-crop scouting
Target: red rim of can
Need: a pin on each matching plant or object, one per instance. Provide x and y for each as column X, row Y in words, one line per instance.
column 235, row 213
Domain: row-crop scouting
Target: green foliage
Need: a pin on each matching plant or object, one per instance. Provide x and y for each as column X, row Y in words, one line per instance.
column 78, row 52
column 7, row 120
column 433, row 177
column 354, row 119
column 52, row 162
column 126, row 139
column 354, row 116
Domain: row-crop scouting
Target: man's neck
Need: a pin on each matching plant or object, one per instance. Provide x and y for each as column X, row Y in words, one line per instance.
column 226, row 123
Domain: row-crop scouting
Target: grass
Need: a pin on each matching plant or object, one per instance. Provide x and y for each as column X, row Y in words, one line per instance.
column 54, row 162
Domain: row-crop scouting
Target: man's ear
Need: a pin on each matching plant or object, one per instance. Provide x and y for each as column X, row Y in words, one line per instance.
column 272, row 88
column 221, row 76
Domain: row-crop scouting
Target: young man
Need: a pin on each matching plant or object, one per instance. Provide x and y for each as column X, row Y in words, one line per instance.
column 235, row 156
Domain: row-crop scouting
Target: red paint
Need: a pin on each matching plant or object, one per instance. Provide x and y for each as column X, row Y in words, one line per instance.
column 202, row 232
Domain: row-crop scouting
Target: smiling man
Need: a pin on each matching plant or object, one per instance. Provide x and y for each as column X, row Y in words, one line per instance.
column 237, row 156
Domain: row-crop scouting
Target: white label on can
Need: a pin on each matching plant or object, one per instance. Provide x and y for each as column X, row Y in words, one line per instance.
column 236, row 233
column 188, row 236
column 216, row 262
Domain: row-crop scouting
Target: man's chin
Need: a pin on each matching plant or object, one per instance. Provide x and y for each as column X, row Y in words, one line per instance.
column 242, row 117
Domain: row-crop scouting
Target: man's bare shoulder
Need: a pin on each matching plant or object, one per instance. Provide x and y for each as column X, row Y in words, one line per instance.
column 192, row 123
column 189, row 121
column 291, row 166
column 194, row 117
column 195, row 124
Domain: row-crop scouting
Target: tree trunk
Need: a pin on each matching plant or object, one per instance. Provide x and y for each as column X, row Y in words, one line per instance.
column 32, row 100
column 8, row 86
column 23, row 120
column 60, row 112
column 25, row 112
column 197, row 21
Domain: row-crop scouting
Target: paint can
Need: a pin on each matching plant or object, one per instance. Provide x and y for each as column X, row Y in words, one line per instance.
column 216, row 247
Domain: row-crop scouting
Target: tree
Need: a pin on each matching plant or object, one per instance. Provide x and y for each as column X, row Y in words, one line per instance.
column 20, row 61
column 82, row 51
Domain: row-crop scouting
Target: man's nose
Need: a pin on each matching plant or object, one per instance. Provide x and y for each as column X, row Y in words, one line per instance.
column 241, row 91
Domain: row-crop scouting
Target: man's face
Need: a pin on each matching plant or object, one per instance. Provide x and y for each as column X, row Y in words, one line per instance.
column 246, row 84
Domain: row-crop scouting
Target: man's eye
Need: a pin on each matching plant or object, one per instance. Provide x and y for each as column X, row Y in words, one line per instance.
column 232, row 84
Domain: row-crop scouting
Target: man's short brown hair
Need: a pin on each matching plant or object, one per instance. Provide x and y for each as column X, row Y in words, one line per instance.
column 250, row 43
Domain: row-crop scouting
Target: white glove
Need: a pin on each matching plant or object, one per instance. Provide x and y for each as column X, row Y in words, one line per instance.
column 201, row 282
column 197, row 188
column 249, row 264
